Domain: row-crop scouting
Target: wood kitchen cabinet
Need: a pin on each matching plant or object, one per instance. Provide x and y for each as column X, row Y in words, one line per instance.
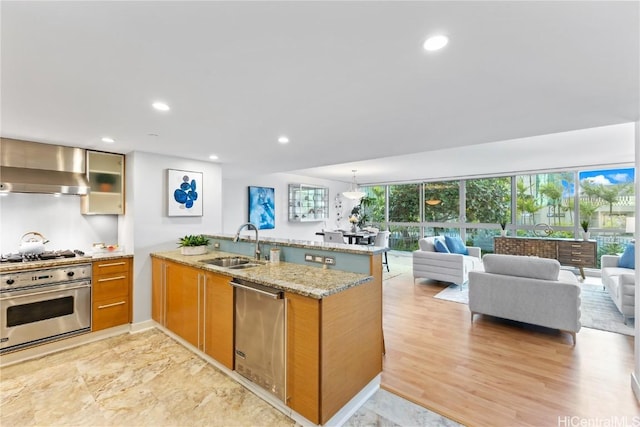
column 183, row 293
column 105, row 172
column 338, row 336
column 196, row 305
column 334, row 343
column 218, row 318
column 159, row 269
column 111, row 293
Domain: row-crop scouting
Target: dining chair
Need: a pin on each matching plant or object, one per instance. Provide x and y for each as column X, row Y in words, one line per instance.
column 382, row 239
column 369, row 237
column 333, row 237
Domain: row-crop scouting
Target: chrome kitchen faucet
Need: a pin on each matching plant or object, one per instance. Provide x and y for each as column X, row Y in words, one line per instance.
column 249, row 225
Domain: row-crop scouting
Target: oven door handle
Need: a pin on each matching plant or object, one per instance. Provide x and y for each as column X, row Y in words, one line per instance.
column 45, row 291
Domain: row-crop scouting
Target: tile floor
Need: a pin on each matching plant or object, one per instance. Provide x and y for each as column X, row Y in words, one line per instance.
column 148, row 379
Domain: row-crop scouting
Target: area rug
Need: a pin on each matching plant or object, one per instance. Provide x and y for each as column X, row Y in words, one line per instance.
column 598, row 311
column 397, row 265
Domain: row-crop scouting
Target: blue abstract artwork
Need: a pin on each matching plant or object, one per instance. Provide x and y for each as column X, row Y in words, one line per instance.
column 262, row 207
column 185, row 193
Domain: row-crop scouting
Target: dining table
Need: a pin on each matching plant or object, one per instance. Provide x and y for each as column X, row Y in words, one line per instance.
column 358, row 237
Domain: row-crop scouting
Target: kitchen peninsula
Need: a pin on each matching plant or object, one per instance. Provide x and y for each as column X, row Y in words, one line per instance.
column 334, row 342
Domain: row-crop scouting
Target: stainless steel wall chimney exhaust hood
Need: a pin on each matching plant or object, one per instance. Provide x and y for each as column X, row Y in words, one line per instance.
column 32, row 167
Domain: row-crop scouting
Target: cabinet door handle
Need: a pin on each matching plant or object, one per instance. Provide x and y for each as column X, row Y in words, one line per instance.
column 111, row 305
column 112, row 264
column 108, row 279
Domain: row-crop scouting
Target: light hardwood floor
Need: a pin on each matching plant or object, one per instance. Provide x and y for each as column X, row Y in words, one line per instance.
column 500, row 373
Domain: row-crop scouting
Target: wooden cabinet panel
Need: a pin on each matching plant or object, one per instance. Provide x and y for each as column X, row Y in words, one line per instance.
column 218, row 339
column 541, row 248
column 195, row 304
column 182, row 300
column 110, row 312
column 111, row 293
column 303, row 356
column 158, row 291
column 351, row 351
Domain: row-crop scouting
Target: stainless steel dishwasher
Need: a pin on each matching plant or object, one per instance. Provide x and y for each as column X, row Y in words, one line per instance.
column 260, row 338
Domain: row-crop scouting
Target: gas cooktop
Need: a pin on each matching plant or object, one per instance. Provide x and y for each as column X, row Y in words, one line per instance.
column 44, row 256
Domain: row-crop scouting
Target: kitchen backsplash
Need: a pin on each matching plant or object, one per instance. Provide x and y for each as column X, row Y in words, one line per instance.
column 57, row 218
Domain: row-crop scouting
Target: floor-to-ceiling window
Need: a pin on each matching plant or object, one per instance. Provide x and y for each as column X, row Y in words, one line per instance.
column 441, row 212
column 607, row 201
column 487, row 203
column 543, row 204
column 404, row 216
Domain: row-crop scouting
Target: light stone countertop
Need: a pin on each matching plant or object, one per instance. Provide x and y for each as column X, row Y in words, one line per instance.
column 35, row 265
column 314, row 282
column 306, row 244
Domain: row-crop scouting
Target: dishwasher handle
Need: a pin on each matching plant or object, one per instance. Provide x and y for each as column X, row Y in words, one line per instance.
column 271, row 294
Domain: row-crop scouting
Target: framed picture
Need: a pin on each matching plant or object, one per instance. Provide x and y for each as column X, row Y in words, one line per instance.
column 184, row 193
column 262, row 207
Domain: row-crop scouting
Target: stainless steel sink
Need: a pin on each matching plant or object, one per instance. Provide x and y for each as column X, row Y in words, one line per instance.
column 242, row 266
column 235, row 263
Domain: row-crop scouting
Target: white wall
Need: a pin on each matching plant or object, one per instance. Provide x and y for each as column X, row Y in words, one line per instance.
column 56, row 218
column 146, row 227
column 235, row 203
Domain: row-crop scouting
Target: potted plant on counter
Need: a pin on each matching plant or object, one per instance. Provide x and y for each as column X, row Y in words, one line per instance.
column 193, row 245
column 585, row 229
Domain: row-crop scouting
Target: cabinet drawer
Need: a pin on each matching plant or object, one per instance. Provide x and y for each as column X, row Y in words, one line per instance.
column 581, row 254
column 109, row 313
column 577, row 260
column 110, row 286
column 111, row 266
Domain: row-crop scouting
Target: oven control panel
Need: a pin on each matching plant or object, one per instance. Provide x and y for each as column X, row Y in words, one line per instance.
column 47, row 276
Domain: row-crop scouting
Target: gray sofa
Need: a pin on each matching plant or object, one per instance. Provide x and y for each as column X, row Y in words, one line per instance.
column 621, row 285
column 526, row 289
column 445, row 267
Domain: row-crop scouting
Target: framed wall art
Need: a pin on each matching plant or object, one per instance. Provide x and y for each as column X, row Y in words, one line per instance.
column 184, row 193
column 262, row 207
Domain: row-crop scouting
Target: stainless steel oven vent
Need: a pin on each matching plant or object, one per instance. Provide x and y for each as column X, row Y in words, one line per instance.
column 33, row 167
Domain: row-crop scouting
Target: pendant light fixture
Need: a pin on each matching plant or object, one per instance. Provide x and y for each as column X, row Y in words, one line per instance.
column 353, row 192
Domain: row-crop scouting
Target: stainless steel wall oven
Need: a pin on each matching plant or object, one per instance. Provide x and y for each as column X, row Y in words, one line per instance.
column 42, row 305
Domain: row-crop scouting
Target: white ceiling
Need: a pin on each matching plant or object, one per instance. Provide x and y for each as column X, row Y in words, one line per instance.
column 347, row 82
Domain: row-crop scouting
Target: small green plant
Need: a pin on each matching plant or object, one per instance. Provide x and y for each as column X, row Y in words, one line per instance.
column 585, row 225
column 190, row 240
column 503, row 224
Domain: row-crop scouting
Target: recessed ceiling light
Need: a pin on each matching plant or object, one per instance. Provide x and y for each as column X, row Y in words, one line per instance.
column 160, row 106
column 283, row 140
column 435, row 43
column 108, row 140
column 213, row 157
